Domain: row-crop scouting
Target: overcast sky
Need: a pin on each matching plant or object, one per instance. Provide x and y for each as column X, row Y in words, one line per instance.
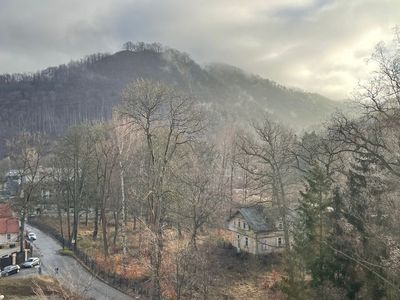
column 319, row 46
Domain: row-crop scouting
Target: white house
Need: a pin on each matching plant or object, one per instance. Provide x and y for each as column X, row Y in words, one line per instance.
column 255, row 231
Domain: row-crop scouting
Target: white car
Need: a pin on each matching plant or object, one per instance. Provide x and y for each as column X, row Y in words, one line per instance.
column 31, row 262
column 32, row 236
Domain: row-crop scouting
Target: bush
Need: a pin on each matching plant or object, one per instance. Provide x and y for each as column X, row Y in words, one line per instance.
column 223, row 243
column 66, row 252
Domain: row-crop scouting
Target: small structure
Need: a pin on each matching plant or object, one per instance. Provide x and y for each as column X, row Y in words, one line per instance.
column 9, row 226
column 255, row 231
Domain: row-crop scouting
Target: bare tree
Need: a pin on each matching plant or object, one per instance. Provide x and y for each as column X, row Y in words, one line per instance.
column 124, row 140
column 270, row 150
column 166, row 120
column 26, row 152
column 198, row 193
column 105, row 156
column 76, row 149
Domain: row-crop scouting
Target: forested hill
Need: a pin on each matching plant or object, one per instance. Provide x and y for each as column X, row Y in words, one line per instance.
column 57, row 97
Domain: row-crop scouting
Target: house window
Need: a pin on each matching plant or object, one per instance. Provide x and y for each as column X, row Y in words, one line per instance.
column 244, row 225
column 238, row 241
column 280, row 226
column 247, row 241
column 279, row 242
column 239, row 223
column 8, row 236
column 234, row 223
column 265, row 246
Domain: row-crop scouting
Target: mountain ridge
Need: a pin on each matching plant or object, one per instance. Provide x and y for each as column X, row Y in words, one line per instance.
column 55, row 98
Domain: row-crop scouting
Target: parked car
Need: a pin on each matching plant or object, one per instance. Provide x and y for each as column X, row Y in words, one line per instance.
column 10, row 270
column 32, row 236
column 31, row 262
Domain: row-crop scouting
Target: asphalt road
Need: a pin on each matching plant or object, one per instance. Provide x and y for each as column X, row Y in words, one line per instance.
column 71, row 273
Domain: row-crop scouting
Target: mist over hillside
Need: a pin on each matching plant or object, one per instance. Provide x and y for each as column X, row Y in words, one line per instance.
column 53, row 99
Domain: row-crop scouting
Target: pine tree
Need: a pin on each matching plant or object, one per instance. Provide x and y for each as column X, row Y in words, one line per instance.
column 363, row 212
column 344, row 271
column 314, row 227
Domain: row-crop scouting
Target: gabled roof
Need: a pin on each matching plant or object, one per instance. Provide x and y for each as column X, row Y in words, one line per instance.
column 255, row 218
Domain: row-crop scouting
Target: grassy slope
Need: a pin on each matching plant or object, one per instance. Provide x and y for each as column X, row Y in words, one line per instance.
column 24, row 288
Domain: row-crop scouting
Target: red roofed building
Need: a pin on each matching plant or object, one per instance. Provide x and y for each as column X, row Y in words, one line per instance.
column 5, row 210
column 9, row 225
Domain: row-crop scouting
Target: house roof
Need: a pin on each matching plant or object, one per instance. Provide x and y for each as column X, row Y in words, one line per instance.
column 257, row 219
column 9, row 225
column 5, row 210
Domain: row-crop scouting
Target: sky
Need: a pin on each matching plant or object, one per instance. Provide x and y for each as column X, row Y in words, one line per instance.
column 315, row 45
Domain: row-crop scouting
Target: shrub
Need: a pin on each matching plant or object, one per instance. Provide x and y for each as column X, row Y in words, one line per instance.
column 66, row 252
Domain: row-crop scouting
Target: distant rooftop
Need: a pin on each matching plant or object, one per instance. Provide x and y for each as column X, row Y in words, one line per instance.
column 258, row 219
column 5, row 210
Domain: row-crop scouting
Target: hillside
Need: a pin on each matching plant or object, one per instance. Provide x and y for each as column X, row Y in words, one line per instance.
column 58, row 97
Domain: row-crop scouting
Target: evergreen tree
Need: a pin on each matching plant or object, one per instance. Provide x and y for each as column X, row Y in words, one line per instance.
column 363, row 212
column 345, row 272
column 314, row 227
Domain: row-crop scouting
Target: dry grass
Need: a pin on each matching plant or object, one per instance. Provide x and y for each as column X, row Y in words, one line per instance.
column 236, row 276
column 27, row 288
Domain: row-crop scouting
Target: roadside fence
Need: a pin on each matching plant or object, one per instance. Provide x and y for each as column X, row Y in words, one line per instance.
column 128, row 286
column 9, row 260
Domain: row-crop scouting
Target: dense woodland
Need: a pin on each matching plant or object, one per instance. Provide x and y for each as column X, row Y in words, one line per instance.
column 160, row 162
column 52, row 100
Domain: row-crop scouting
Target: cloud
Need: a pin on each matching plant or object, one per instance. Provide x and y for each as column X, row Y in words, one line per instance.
column 315, row 45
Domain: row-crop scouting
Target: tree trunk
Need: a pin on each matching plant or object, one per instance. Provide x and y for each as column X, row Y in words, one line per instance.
column 68, row 217
column 157, row 246
column 124, row 215
column 75, row 230
column 116, row 225
column 180, row 236
column 22, row 230
column 60, row 223
column 86, row 217
column 96, row 223
column 283, row 212
column 156, row 259
column 104, row 229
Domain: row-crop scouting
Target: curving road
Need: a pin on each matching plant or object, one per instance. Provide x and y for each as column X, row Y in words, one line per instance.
column 71, row 273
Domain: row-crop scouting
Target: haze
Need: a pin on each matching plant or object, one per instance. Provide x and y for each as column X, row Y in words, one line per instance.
column 318, row 46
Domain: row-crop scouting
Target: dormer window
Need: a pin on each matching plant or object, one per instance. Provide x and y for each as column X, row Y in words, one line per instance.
column 239, row 223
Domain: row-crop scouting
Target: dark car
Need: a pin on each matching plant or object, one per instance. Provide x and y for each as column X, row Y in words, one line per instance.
column 10, row 270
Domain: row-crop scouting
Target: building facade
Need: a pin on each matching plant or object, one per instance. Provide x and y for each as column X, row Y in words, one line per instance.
column 256, row 232
column 9, row 226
